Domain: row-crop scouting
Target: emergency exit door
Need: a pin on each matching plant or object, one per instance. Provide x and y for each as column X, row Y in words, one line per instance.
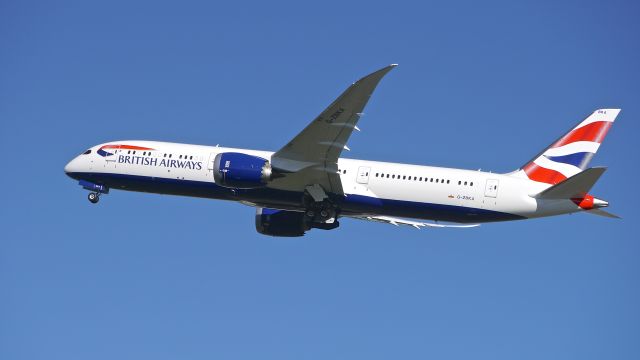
column 363, row 175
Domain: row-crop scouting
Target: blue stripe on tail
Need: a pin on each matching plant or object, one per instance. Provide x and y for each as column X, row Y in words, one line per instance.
column 576, row 159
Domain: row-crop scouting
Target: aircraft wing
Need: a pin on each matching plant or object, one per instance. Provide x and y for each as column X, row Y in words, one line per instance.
column 416, row 224
column 312, row 156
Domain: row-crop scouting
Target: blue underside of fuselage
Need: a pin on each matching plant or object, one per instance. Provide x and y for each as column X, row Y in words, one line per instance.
column 266, row 197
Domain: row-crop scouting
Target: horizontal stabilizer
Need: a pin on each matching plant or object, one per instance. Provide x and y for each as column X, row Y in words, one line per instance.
column 601, row 212
column 576, row 186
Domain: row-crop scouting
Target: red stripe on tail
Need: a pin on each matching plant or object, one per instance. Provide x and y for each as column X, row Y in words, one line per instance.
column 595, row 131
column 540, row 174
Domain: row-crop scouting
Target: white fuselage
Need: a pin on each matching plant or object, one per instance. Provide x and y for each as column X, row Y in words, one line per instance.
column 370, row 187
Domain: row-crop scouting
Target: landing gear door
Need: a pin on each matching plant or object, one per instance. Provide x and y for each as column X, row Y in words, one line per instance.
column 491, row 189
column 363, row 175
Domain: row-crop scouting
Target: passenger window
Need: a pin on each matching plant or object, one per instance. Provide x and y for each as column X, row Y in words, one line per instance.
column 459, row 182
column 447, row 181
column 471, row 184
column 465, row 183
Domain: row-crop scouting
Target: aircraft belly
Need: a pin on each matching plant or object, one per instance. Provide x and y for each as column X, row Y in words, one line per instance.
column 358, row 204
column 413, row 200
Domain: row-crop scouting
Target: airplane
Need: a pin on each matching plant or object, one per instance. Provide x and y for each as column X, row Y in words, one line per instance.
column 307, row 185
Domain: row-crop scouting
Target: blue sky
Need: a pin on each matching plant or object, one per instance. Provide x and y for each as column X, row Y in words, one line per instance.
column 480, row 85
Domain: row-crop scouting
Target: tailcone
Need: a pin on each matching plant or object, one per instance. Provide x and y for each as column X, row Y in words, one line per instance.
column 588, row 202
column 599, row 203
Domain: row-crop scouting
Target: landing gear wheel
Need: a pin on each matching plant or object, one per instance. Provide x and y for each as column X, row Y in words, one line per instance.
column 93, row 197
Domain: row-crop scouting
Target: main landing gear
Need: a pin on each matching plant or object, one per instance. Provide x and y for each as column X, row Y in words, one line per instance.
column 320, row 211
column 94, row 197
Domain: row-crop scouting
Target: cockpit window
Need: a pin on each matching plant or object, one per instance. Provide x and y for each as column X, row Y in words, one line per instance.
column 87, row 152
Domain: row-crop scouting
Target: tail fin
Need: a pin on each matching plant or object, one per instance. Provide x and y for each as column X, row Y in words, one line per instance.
column 572, row 153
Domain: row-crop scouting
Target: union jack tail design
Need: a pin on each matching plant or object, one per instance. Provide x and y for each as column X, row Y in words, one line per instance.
column 571, row 153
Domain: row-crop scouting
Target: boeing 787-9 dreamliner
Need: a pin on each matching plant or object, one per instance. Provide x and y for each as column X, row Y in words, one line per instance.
column 306, row 184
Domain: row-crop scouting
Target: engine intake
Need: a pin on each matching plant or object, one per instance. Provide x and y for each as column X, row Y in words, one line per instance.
column 241, row 171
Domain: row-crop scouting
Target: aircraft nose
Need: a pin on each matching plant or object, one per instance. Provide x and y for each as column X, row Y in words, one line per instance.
column 71, row 167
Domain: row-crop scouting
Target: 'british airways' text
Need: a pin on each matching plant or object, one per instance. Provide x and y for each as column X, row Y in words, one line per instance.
column 170, row 163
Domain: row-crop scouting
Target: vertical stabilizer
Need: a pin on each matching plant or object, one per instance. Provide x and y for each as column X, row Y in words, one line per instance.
column 572, row 153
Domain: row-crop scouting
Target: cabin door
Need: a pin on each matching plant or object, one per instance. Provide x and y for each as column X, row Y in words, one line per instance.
column 491, row 189
column 363, row 175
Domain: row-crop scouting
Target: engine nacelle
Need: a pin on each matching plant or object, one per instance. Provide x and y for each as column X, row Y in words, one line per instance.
column 241, row 171
column 280, row 222
column 285, row 223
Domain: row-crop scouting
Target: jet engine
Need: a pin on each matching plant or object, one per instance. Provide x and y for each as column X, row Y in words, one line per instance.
column 285, row 223
column 280, row 222
column 241, row 171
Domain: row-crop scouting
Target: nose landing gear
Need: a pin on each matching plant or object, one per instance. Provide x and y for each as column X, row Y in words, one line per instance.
column 96, row 190
column 94, row 197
